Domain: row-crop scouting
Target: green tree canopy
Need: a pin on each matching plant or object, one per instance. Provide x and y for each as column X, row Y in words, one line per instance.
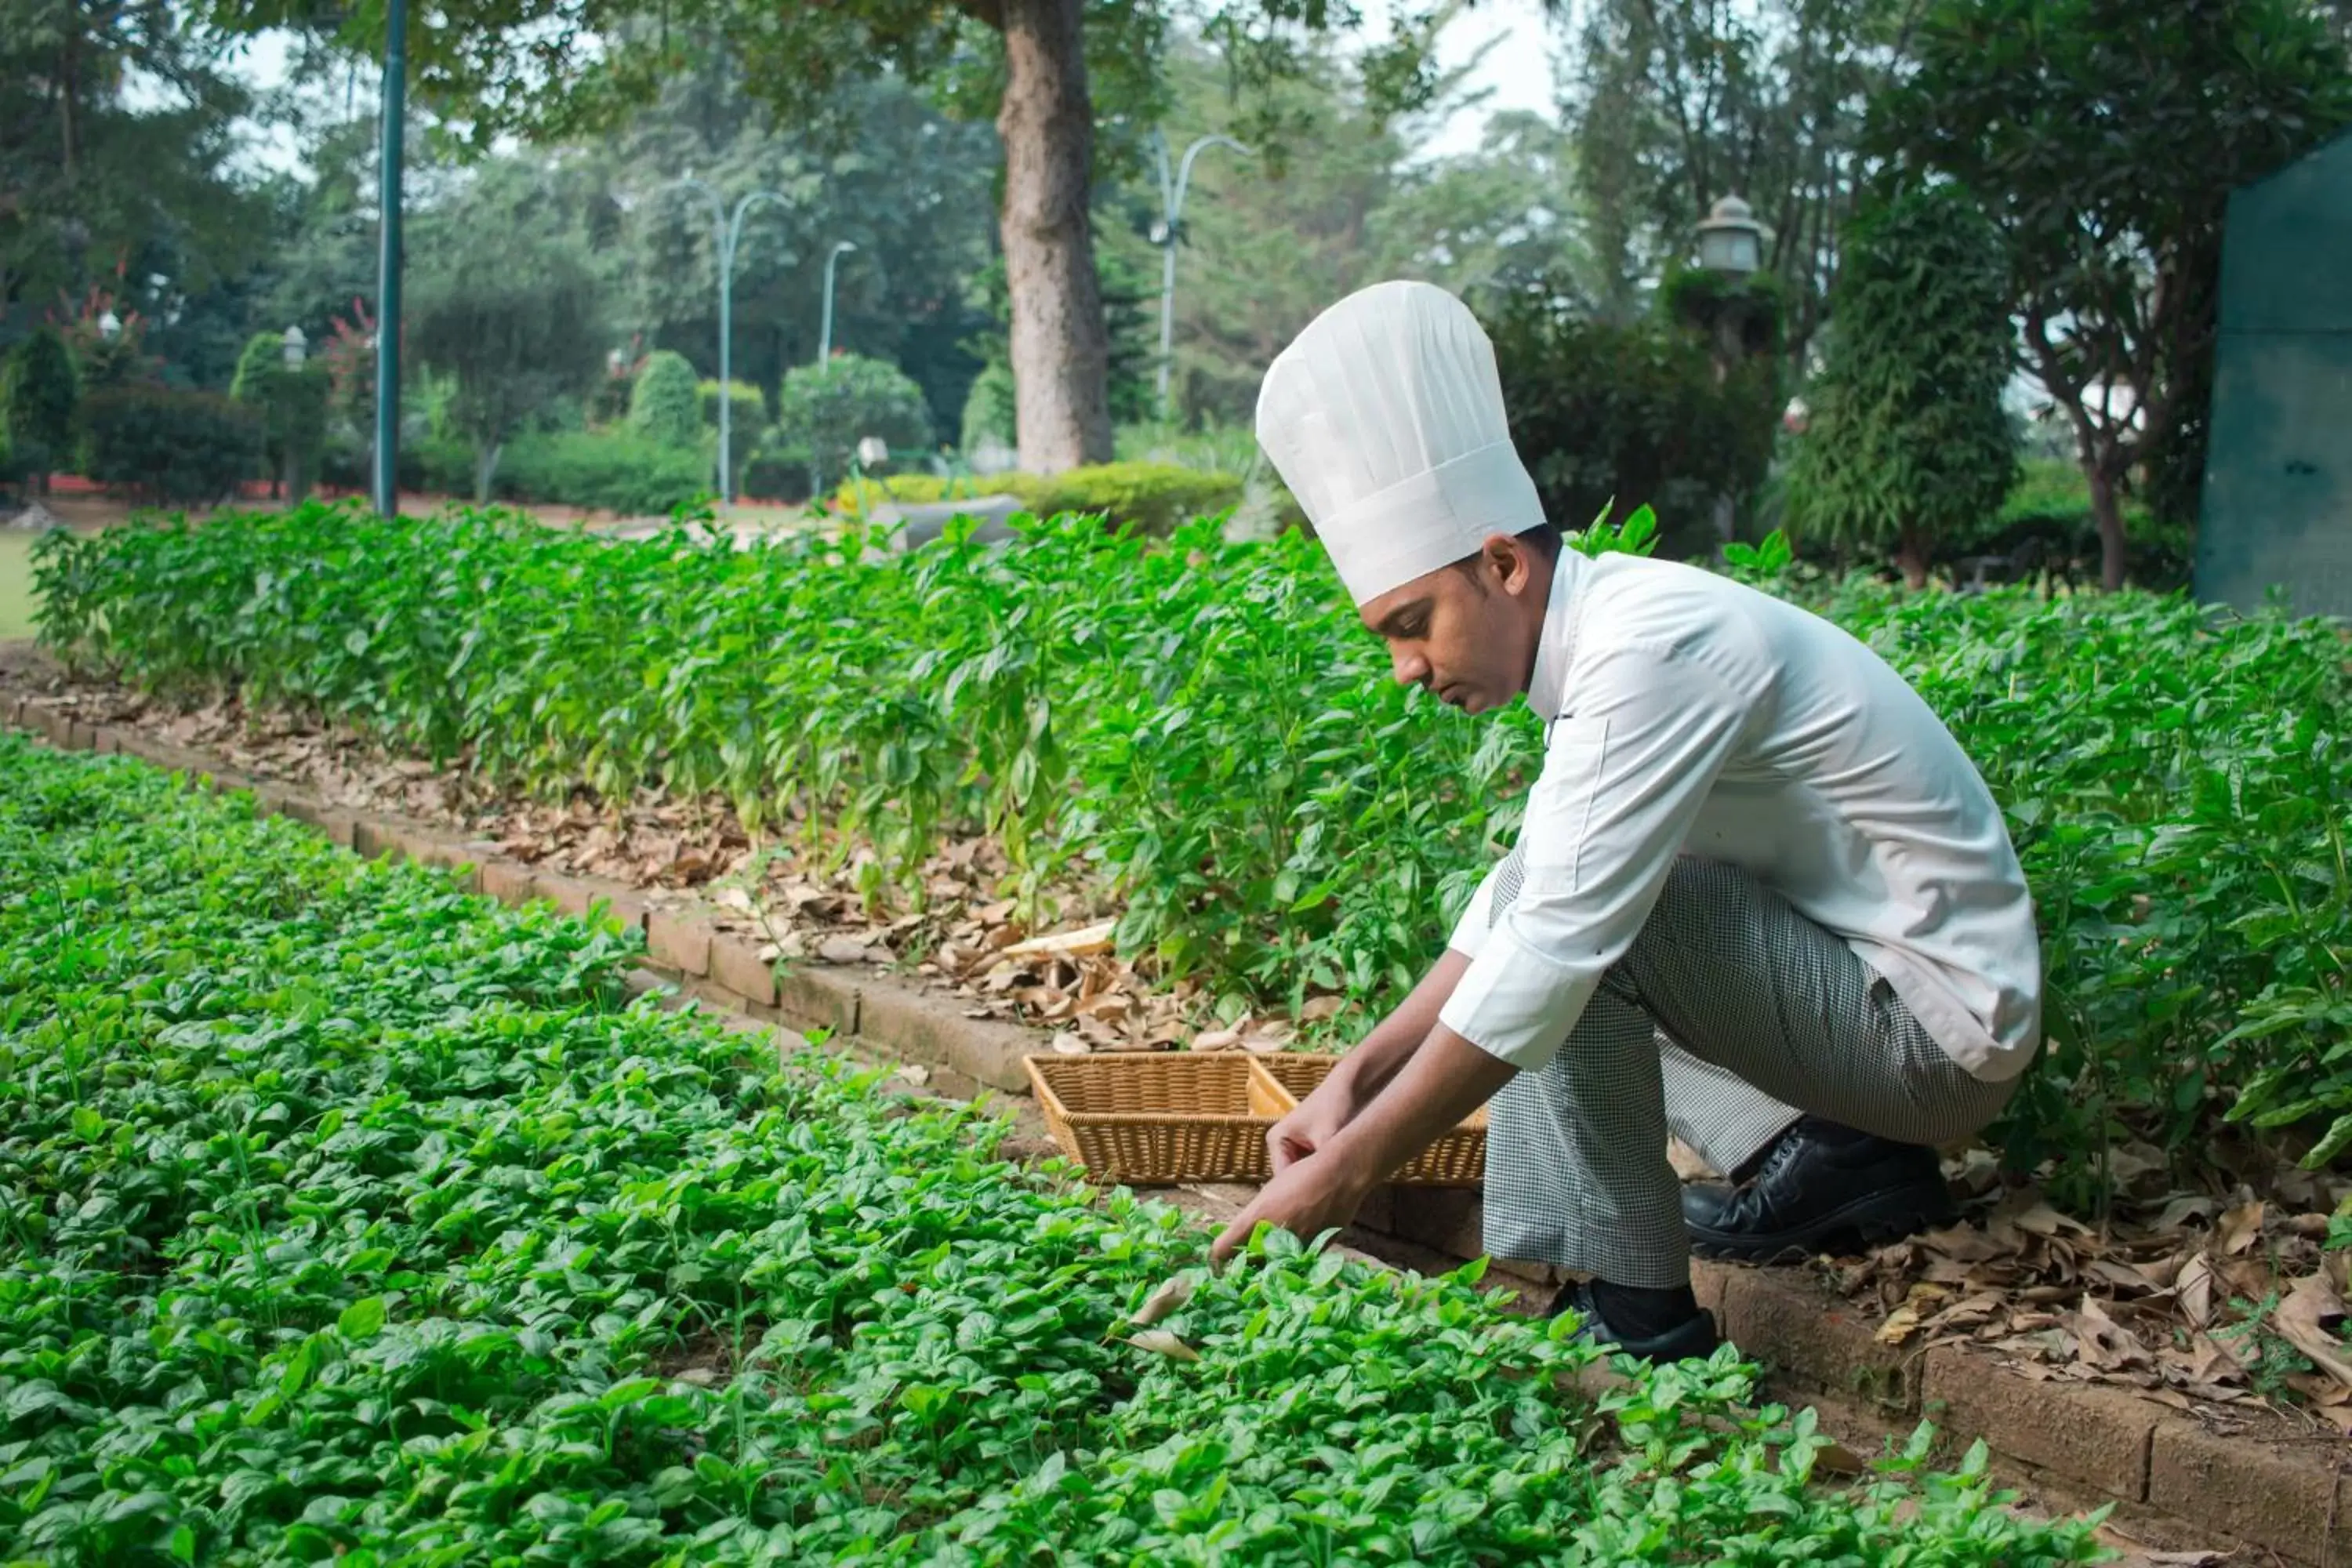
column 116, row 123
column 1044, row 69
column 1906, row 440
column 826, row 410
column 663, row 404
column 38, row 394
column 506, row 303
column 2105, row 138
column 1673, row 104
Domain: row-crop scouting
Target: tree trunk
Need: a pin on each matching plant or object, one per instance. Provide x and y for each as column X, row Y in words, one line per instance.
column 486, row 467
column 2106, row 508
column 1911, row 555
column 1061, row 347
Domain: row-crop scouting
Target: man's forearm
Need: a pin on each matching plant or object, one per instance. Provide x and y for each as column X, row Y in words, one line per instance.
column 1374, row 1062
column 1442, row 1082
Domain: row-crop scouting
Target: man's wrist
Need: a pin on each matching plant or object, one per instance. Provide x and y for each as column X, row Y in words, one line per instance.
column 1355, row 1162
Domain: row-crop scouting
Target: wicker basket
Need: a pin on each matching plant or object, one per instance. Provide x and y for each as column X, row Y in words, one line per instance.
column 1158, row 1120
column 1456, row 1160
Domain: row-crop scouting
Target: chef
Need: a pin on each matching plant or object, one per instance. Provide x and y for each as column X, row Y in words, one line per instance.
column 1760, row 899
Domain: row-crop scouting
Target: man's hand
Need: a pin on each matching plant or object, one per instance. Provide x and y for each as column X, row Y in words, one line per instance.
column 1307, row 1199
column 1312, row 1126
column 1441, row 1083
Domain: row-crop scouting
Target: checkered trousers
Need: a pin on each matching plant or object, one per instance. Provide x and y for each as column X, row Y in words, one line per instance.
column 1729, row 1016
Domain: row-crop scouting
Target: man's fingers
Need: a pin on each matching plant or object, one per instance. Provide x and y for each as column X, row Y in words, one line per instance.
column 1229, row 1241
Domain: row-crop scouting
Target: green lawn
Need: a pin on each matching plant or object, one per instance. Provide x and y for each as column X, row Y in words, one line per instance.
column 16, row 598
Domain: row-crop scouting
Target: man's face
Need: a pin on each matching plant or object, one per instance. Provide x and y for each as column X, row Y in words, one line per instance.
column 1467, row 633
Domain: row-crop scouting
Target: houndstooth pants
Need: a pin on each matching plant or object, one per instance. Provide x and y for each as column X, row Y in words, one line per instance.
column 1729, row 1016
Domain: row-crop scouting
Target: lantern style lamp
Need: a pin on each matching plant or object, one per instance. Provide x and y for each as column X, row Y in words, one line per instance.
column 1731, row 241
column 297, row 348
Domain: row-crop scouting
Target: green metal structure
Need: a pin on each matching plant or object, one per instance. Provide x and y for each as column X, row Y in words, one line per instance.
column 2277, row 506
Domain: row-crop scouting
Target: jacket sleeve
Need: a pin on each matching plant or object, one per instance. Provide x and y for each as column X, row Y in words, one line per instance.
column 1624, row 778
column 1470, row 932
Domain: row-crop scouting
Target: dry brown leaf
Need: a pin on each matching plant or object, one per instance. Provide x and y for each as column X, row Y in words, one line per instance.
column 1904, row 1321
column 1076, row 944
column 1171, row 1295
column 1070, row 1044
column 2119, row 1276
column 2210, row 1360
column 1966, row 1244
column 2194, row 1288
column 1216, row 1040
column 2041, row 1219
column 2307, row 1319
column 841, row 949
column 1689, row 1165
column 1160, row 1341
column 2239, row 1230
column 2179, row 1211
column 1318, row 1008
column 2104, row 1343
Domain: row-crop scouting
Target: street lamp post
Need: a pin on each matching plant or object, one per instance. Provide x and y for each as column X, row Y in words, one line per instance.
column 1731, row 246
column 825, row 332
column 1164, row 233
column 388, row 258
column 726, row 234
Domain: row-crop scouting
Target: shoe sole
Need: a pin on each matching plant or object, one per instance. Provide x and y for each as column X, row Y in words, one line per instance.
column 1659, row 1349
column 1872, row 1220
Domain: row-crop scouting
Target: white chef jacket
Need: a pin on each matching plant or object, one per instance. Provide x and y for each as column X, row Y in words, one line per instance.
column 1690, row 714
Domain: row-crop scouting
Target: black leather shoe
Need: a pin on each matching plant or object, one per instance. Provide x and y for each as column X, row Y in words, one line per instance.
column 1693, row 1337
column 1816, row 1189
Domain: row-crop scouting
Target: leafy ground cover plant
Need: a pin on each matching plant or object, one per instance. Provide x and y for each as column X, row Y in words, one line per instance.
column 346, row 1215
column 1203, row 732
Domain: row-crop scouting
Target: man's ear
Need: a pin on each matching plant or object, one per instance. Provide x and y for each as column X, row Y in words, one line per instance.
column 1507, row 558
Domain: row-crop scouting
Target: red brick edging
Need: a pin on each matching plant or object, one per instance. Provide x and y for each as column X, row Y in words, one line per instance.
column 2280, row 1497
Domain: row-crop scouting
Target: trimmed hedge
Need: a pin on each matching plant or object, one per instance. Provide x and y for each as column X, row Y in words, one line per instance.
column 169, row 445
column 1155, row 498
column 608, row 470
column 747, row 408
column 664, row 405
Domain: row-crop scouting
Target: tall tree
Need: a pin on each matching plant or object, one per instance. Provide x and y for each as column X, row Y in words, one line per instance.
column 1677, row 103
column 1334, row 200
column 505, row 302
column 1049, row 68
column 1908, row 441
column 914, row 193
column 92, row 172
column 2105, row 137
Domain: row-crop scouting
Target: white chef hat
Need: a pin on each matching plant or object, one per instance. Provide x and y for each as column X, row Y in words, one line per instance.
column 1385, row 418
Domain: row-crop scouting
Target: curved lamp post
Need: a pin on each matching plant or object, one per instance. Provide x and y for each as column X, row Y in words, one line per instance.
column 1164, row 234
column 726, row 234
column 825, row 332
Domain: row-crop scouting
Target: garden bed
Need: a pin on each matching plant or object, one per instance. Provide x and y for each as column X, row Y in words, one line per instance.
column 350, row 1215
column 2235, row 1470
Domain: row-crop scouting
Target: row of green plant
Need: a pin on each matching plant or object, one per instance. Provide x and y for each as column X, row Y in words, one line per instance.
column 345, row 1215
column 1154, row 498
column 1204, row 734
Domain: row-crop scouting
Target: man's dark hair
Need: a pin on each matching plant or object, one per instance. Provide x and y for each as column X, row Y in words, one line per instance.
column 1544, row 539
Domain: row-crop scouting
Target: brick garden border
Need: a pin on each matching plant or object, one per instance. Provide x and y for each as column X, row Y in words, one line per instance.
column 2080, row 1444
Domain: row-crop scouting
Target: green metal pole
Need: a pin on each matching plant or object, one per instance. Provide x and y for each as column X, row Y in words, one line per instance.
column 387, row 318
